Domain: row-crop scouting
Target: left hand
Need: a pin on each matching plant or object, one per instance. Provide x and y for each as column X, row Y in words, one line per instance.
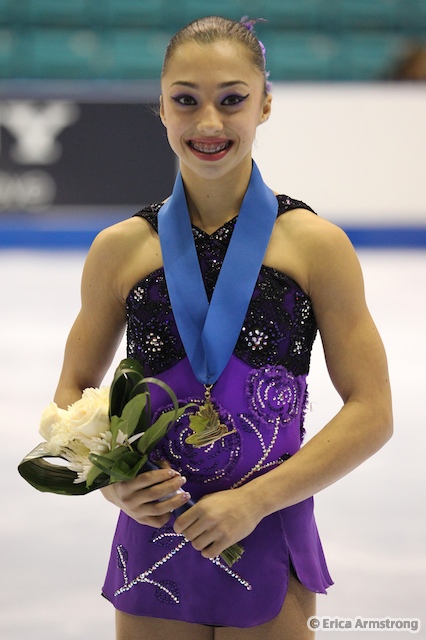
column 218, row 520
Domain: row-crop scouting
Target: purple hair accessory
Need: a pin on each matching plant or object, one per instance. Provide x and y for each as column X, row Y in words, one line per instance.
column 249, row 25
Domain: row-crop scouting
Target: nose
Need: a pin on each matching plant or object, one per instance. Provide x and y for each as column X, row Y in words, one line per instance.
column 209, row 121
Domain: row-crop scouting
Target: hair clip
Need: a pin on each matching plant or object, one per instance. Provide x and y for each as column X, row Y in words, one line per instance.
column 249, row 25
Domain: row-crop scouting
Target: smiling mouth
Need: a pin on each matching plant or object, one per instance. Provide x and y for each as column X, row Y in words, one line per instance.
column 209, row 147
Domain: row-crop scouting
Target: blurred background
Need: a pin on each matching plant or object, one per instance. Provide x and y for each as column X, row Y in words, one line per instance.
column 81, row 147
column 81, row 144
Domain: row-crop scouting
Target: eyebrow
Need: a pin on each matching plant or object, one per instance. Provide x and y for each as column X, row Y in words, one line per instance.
column 222, row 85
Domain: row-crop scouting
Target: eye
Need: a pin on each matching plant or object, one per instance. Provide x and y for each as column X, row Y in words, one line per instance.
column 234, row 99
column 185, row 100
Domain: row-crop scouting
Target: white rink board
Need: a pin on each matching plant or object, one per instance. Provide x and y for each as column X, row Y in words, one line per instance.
column 354, row 152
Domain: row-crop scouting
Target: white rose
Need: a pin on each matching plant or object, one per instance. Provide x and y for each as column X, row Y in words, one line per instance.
column 49, row 419
column 55, row 428
column 88, row 416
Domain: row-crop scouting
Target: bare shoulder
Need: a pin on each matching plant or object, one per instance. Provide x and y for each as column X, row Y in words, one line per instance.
column 311, row 230
column 311, row 249
column 124, row 253
column 122, row 236
column 332, row 274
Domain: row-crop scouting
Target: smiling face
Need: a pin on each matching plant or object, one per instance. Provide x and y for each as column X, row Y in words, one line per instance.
column 212, row 101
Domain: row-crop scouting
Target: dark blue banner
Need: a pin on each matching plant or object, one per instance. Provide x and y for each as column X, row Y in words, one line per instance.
column 73, row 155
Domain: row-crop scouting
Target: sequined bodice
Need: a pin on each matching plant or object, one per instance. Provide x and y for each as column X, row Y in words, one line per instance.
column 279, row 328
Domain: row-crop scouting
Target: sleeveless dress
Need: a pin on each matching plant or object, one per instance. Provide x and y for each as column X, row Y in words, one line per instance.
column 261, row 396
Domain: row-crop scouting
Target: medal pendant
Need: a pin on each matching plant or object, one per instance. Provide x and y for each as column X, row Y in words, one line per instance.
column 205, row 424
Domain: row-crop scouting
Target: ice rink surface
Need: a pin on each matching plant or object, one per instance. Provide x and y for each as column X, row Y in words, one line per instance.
column 54, row 549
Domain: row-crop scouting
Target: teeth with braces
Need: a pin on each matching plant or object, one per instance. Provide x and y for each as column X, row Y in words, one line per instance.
column 207, row 148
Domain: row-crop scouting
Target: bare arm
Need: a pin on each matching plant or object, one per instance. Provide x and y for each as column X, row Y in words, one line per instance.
column 99, row 326
column 107, row 277
column 357, row 365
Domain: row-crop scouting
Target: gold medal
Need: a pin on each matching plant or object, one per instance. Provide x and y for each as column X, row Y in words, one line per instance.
column 205, row 424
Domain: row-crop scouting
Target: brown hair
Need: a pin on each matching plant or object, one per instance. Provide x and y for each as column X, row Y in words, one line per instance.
column 215, row 28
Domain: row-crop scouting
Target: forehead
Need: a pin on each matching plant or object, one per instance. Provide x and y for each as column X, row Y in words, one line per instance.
column 220, row 61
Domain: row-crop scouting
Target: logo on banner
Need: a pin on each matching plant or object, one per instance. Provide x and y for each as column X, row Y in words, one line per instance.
column 34, row 128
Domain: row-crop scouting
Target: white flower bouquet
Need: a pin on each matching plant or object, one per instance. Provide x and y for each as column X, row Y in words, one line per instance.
column 104, row 437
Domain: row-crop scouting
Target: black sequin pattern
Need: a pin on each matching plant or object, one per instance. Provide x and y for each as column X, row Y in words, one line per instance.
column 279, row 327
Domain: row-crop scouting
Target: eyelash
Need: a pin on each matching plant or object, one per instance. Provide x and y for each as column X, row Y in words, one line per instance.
column 183, row 99
column 180, row 100
column 237, row 99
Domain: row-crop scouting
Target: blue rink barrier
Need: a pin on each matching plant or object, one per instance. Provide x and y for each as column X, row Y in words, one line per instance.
column 51, row 239
column 31, row 235
column 28, row 232
column 388, row 237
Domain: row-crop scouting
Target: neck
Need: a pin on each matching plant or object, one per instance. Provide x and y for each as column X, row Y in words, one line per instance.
column 212, row 202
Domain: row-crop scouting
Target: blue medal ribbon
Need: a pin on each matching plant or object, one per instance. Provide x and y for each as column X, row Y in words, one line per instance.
column 209, row 332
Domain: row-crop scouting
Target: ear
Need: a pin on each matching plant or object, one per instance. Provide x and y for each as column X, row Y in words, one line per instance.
column 266, row 109
column 162, row 116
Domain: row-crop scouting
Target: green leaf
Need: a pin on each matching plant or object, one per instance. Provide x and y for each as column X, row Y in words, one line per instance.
column 114, row 427
column 94, row 473
column 128, row 373
column 132, row 412
column 138, row 466
column 103, row 463
column 122, row 467
column 53, row 478
column 128, row 465
column 159, row 429
column 145, row 417
column 106, row 464
column 119, row 394
column 140, row 387
column 125, row 462
column 132, row 365
column 166, row 388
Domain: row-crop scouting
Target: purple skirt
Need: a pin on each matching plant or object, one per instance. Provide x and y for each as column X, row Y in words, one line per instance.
column 157, row 573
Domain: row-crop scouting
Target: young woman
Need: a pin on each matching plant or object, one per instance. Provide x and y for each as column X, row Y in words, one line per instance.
column 222, row 289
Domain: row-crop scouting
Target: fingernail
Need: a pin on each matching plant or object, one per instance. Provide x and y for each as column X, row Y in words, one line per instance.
column 183, row 480
column 185, row 496
column 173, row 473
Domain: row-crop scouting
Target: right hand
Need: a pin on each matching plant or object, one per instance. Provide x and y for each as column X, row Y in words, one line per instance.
column 145, row 498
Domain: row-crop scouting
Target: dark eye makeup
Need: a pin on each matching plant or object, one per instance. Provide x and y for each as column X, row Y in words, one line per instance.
column 234, row 99
column 231, row 100
column 184, row 99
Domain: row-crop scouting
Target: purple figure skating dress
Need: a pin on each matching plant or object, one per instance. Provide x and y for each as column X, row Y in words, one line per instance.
column 261, row 396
